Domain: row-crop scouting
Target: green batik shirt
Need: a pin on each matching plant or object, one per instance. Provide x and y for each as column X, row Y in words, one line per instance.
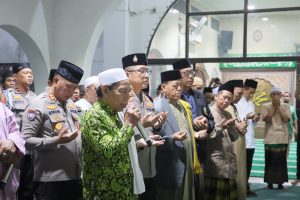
column 107, row 172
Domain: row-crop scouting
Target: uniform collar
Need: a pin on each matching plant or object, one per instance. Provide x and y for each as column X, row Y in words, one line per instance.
column 16, row 89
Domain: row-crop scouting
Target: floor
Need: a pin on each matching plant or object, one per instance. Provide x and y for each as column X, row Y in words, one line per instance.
column 290, row 192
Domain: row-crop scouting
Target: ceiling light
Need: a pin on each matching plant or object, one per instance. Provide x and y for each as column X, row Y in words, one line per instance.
column 265, row 19
column 251, row 7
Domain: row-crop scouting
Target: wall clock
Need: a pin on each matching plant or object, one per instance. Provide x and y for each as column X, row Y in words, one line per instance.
column 257, row 35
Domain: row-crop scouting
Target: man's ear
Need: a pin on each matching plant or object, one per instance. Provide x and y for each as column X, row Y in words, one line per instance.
column 104, row 91
column 163, row 86
column 55, row 80
column 127, row 73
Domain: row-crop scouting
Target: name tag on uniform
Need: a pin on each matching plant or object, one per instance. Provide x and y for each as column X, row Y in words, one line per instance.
column 73, row 111
column 18, row 101
column 51, row 112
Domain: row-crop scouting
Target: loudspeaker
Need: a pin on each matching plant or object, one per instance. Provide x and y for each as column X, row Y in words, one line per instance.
column 226, row 39
column 224, row 42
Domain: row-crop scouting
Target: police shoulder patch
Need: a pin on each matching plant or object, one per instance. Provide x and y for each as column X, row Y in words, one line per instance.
column 31, row 114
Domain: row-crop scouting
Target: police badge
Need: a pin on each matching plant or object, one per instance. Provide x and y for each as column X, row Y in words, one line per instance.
column 135, row 59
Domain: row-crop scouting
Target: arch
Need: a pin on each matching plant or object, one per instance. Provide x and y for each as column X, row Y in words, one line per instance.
column 88, row 58
column 33, row 53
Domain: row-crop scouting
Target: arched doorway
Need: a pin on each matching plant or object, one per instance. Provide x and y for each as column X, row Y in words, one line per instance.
column 32, row 55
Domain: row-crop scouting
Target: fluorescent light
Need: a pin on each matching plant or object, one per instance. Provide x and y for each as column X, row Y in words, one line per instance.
column 265, row 19
column 194, row 24
column 174, row 11
column 251, row 7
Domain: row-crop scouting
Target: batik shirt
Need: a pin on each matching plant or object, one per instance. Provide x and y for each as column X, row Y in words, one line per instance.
column 107, row 170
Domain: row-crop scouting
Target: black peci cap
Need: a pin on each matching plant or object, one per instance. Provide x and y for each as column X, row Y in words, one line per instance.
column 7, row 74
column 207, row 90
column 51, row 74
column 251, row 83
column 181, row 64
column 170, row 75
column 134, row 59
column 70, row 71
column 237, row 83
column 228, row 86
column 19, row 66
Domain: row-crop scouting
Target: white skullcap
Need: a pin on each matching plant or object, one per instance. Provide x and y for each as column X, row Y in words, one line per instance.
column 90, row 80
column 215, row 90
column 197, row 81
column 111, row 76
column 275, row 89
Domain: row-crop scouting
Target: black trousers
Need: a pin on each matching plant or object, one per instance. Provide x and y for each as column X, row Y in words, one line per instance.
column 25, row 191
column 150, row 190
column 249, row 159
column 58, row 190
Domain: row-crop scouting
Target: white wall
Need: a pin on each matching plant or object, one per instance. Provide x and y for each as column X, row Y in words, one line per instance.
column 127, row 31
column 49, row 31
column 279, row 34
column 167, row 39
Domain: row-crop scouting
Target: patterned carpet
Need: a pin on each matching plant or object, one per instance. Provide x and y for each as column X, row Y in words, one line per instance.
column 259, row 160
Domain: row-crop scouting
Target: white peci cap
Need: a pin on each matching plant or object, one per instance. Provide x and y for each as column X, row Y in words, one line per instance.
column 111, row 76
column 91, row 80
column 275, row 89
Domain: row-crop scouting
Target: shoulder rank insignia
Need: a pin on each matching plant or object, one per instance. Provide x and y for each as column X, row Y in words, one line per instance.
column 71, row 105
column 58, row 126
column 51, row 96
column 31, row 114
column 51, row 107
column 17, row 97
column 149, row 104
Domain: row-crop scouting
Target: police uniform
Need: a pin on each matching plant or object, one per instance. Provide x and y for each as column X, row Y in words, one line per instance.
column 19, row 102
column 146, row 155
column 57, row 167
column 145, row 105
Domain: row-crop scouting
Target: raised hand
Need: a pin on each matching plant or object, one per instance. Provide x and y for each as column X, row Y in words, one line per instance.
column 226, row 123
column 65, row 137
column 161, row 120
column 132, row 116
column 181, row 135
column 201, row 122
column 201, row 135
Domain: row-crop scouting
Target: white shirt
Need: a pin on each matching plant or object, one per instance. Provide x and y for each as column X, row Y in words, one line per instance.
column 83, row 104
column 244, row 107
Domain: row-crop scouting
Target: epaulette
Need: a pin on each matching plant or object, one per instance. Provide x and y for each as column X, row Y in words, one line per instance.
column 148, row 96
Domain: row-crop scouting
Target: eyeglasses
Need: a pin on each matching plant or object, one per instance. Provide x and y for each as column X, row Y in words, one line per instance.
column 188, row 73
column 142, row 71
